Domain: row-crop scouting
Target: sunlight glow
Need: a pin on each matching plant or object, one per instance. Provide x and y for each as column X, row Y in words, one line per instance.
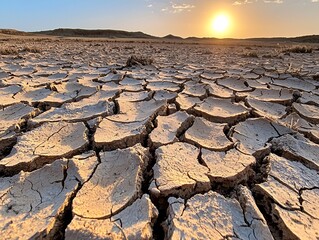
column 220, row 23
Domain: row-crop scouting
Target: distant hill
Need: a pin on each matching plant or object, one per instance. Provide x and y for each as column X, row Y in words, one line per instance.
column 13, row 32
column 108, row 33
column 307, row 39
column 68, row 32
column 301, row 39
column 202, row 38
column 172, row 37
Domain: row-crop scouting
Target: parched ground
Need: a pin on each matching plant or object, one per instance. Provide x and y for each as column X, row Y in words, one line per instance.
column 206, row 142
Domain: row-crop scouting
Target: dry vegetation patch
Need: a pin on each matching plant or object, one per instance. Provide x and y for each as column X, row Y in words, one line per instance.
column 139, row 60
column 13, row 50
column 31, row 49
column 250, row 54
column 298, row 49
column 8, row 51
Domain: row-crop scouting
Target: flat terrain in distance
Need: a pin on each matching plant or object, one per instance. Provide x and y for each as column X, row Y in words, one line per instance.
column 143, row 139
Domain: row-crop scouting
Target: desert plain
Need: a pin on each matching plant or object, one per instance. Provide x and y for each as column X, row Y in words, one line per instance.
column 158, row 140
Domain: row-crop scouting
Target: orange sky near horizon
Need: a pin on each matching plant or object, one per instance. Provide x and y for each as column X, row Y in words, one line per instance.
column 256, row 19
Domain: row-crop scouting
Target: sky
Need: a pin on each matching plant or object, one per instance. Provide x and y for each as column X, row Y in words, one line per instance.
column 186, row 18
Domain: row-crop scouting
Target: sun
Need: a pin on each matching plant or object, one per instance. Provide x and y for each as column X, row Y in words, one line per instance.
column 220, row 23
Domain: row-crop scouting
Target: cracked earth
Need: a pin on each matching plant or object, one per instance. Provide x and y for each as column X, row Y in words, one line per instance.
column 203, row 144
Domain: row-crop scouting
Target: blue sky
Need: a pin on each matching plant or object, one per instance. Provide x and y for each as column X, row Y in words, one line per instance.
column 248, row 18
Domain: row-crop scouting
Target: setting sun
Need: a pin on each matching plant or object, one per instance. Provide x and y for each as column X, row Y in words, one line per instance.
column 220, row 23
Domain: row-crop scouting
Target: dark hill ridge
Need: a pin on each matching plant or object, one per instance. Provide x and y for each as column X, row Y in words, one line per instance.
column 172, row 37
column 307, row 39
column 108, row 33
column 68, row 32
column 301, row 39
column 13, row 32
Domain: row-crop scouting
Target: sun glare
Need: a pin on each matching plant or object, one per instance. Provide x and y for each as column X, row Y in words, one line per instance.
column 220, row 24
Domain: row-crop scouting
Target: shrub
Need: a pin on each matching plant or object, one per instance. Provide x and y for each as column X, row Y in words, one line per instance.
column 250, row 54
column 31, row 49
column 207, row 52
column 15, row 51
column 8, row 51
column 138, row 60
column 298, row 49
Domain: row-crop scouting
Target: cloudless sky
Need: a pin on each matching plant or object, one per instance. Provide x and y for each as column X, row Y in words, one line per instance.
column 248, row 18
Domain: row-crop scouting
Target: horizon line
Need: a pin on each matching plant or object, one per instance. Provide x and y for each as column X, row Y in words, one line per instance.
column 169, row 34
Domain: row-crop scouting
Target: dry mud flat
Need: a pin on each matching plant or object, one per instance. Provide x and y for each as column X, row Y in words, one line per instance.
column 206, row 143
